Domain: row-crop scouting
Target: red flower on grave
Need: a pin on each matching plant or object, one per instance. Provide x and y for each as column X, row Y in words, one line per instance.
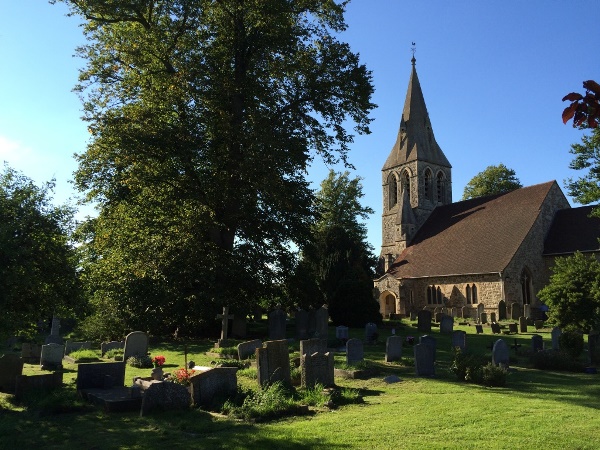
column 158, row 361
column 182, row 376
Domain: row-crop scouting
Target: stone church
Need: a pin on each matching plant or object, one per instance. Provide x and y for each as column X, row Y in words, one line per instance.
column 489, row 254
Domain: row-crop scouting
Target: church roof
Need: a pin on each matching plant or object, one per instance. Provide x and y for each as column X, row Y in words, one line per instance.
column 573, row 230
column 415, row 138
column 480, row 235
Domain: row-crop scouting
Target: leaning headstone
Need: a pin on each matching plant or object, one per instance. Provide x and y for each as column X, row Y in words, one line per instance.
column 239, row 327
column 52, row 355
column 431, row 342
column 424, row 321
column 301, row 322
column 341, row 332
column 273, row 363
column 424, row 361
column 136, row 344
column 495, row 328
column 371, row 334
column 317, row 368
column 594, row 347
column 321, row 322
column 537, row 343
column 105, row 375
column 248, row 349
column 522, row 324
column 501, row 310
column 483, row 318
column 11, row 366
column 393, row 348
column 500, row 355
column 354, row 351
column 71, row 347
column 310, row 346
column 459, row 339
column 465, row 312
column 446, row 324
column 555, row 333
column 112, row 345
column 479, row 328
column 277, row 319
column 515, row 311
column 492, row 317
column 219, row 382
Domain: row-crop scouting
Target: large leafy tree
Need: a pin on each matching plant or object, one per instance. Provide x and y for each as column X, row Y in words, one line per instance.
column 493, row 180
column 204, row 116
column 586, row 189
column 573, row 293
column 38, row 276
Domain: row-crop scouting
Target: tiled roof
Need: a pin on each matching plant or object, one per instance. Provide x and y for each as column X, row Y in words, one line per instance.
column 573, row 229
column 479, row 235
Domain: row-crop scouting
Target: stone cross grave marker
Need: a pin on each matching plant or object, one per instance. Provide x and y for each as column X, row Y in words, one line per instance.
column 500, row 355
column 459, row 339
column 537, row 343
column 11, row 366
column 431, row 342
column 52, row 355
column 317, row 368
column 247, row 349
column 354, row 351
column 321, row 322
column 424, row 361
column 446, row 324
column 522, row 324
column 136, row 344
column 277, row 319
column 424, row 321
column 556, row 332
column 54, row 337
column 301, row 322
column 273, row 363
column 225, row 322
column 393, row 348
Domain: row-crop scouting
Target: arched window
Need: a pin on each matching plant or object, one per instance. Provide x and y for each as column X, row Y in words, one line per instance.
column 526, row 287
column 430, row 295
column 441, row 189
column 439, row 295
column 393, row 191
column 468, row 294
column 474, row 293
column 406, row 184
column 427, row 184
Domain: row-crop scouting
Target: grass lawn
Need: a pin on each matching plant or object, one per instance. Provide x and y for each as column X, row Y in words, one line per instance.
column 536, row 409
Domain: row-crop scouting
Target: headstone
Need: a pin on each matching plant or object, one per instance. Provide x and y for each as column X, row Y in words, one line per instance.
column 424, row 361
column 459, row 339
column 54, row 337
column 52, row 355
column 431, row 342
column 312, row 322
column 500, row 355
column 371, row 334
column 479, row 328
column 71, row 347
column 393, row 348
column 164, row 396
column 321, row 322
column 37, row 383
column 31, row 353
column 273, row 363
column 136, row 344
column 480, row 310
column 522, row 324
column 301, row 322
column 413, row 315
column 538, row 324
column 424, row 321
column 446, row 324
column 492, row 317
column 310, row 346
column 483, row 318
column 105, row 375
column 11, row 366
column 218, row 382
column 257, row 313
column 527, row 311
column 454, row 312
column 464, row 312
column 513, row 328
column 341, row 332
column 277, row 319
column 112, row 345
column 537, row 343
column 239, row 327
column 225, row 317
column 437, row 310
column 354, row 351
column 501, row 310
column 248, row 349
column 438, row 317
column 495, row 328
column 555, row 333
column 594, row 347
column 515, row 311
column 317, row 368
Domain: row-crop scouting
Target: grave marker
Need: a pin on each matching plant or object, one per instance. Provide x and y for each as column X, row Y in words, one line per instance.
column 424, row 361
column 483, row 318
column 136, row 344
column 500, row 356
column 273, row 363
column 317, row 368
column 431, row 342
column 371, row 333
column 354, row 351
column 225, row 316
column 301, row 323
column 393, row 348
column 341, row 332
column 52, row 355
column 11, row 366
column 522, row 324
column 277, row 319
column 556, row 332
column 537, row 343
column 459, row 339
column 424, row 321
column 213, row 383
column 239, row 327
column 247, row 349
column 479, row 328
column 495, row 328
column 446, row 324
column 321, row 322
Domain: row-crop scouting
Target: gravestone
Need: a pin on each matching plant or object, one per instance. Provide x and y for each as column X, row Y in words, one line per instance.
column 248, row 349
column 239, row 327
column 459, row 339
column 437, row 310
column 71, row 347
column 515, row 311
column 594, row 347
column 513, row 328
column 104, row 375
column 310, row 346
column 464, row 312
column 479, row 311
column 537, row 343
column 277, row 319
column 301, row 324
column 538, row 324
column 479, row 328
column 52, row 355
column 225, row 317
column 317, row 368
column 424, row 361
column 437, row 317
column 492, row 317
column 501, row 310
column 54, row 337
column 495, row 328
column 341, row 332
column 312, row 322
column 483, row 318
column 31, row 353
column 112, row 345
column 321, row 322
column 163, row 396
column 413, row 315
column 257, row 313
column 500, row 355
column 371, row 334
column 555, row 333
column 527, row 311
column 136, row 344
column 393, row 348
column 446, row 324
column 522, row 324
column 454, row 312
column 431, row 342
column 354, row 351
column 273, row 363
column 218, row 382
column 424, row 321
column 38, row 383
column 11, row 366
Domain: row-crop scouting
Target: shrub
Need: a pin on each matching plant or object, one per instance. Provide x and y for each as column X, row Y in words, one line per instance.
column 250, row 372
column 271, row 402
column 314, row 396
column 115, row 353
column 464, row 364
column 493, row 375
column 230, row 363
column 84, row 355
column 555, row 360
column 140, row 361
column 571, row 342
column 181, row 376
column 346, row 396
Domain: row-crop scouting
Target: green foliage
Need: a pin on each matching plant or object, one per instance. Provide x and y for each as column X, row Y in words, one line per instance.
column 571, row 342
column 346, row 396
column 315, row 396
column 272, row 402
column 573, row 293
column 38, row 276
column 493, row 376
column 115, row 353
column 250, row 372
column 85, row 355
column 493, row 180
column 140, row 361
column 555, row 360
column 465, row 364
column 586, row 189
column 231, row 363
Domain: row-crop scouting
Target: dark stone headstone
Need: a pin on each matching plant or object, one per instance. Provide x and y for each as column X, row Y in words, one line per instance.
column 515, row 311
column 273, row 363
column 495, row 327
column 424, row 321
column 413, row 315
column 164, row 396
column 459, row 339
column 424, row 361
column 500, row 354
column 513, row 328
column 31, row 353
column 527, row 311
column 501, row 310
column 310, row 346
column 277, row 324
column 220, row 382
column 479, row 328
column 46, row 382
column 493, row 317
column 556, row 332
column 371, row 334
column 431, row 342
column 317, row 368
column 301, row 322
column 239, row 327
column 321, row 322
column 522, row 324
column 480, row 311
column 248, row 349
column 103, row 375
column 446, row 324
column 465, row 312
column 538, row 324
column 393, row 348
column 483, row 318
column 341, row 332
column 11, row 366
column 537, row 343
column 354, row 351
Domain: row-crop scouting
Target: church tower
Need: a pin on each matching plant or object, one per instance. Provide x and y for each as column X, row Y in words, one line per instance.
column 416, row 176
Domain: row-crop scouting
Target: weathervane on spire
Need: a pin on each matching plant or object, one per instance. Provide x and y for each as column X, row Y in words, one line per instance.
column 413, row 49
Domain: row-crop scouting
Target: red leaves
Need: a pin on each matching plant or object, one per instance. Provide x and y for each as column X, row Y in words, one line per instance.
column 584, row 110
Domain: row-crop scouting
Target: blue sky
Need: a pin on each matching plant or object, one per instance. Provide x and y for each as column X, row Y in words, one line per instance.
column 493, row 74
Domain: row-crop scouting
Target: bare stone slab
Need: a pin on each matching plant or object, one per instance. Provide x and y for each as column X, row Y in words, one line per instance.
column 136, row 344
column 104, row 375
column 393, row 348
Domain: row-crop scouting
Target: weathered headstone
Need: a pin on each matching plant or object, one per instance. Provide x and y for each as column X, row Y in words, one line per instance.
column 500, row 354
column 301, row 323
column 371, row 333
column 513, row 328
column 437, row 310
column 454, row 312
column 515, row 311
column 522, row 324
column 465, row 312
column 424, row 321
column 164, row 396
column 480, row 310
column 321, row 322
column 413, row 315
column 312, row 322
column 479, row 328
column 594, row 347
column 527, row 311
column 556, row 332
column 495, row 328
column 239, row 327
column 37, row 383
column 437, row 317
column 273, row 363
column 277, row 319
column 446, row 324
column 11, row 366
column 225, row 317
column 54, row 337
column 431, row 342
column 393, row 348
column 317, row 368
column 341, row 332
column 71, row 347
column 310, row 346
column 248, row 349
column 105, row 375
column 52, row 355
column 218, row 382
column 112, row 345
column 459, row 339
column 537, row 343
column 31, row 353
column 483, row 318
column 136, row 344
column 492, row 317
column 354, row 351
column 538, row 324
column 501, row 310
column 424, row 361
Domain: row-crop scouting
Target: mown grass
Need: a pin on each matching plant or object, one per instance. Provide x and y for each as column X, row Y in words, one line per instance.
column 536, row 409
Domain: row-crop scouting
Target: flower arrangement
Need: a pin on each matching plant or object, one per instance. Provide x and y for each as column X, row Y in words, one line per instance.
column 410, row 340
column 158, row 360
column 182, row 376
